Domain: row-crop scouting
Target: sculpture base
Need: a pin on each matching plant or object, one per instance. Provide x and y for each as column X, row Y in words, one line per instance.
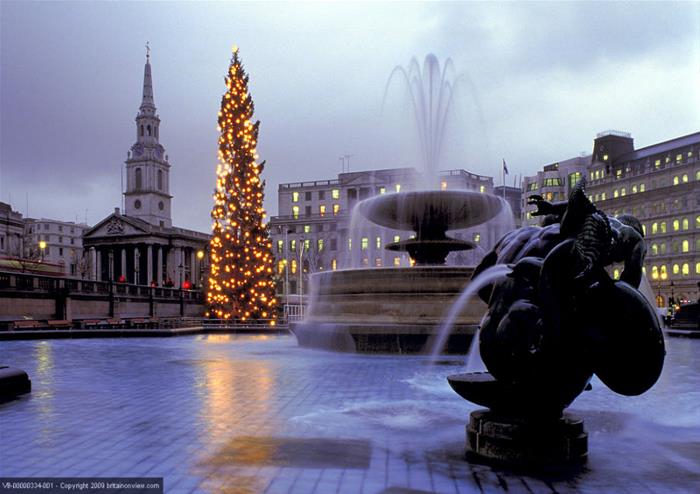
column 13, row 382
column 519, row 441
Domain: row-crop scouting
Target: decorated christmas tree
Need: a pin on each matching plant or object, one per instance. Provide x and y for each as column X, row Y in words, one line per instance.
column 241, row 277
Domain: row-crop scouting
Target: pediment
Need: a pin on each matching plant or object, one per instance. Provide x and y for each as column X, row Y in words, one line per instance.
column 114, row 226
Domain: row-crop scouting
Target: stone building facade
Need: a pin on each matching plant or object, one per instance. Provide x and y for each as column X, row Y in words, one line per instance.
column 140, row 245
column 11, row 232
column 659, row 184
column 62, row 243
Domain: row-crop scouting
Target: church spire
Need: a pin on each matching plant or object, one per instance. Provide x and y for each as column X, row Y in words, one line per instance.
column 148, row 106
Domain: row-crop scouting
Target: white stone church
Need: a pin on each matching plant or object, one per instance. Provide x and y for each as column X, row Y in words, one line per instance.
column 140, row 245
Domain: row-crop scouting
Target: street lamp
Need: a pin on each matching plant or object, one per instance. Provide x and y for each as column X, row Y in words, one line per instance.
column 200, row 259
column 42, row 247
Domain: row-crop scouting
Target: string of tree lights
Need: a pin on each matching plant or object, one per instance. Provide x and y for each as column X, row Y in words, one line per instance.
column 241, row 282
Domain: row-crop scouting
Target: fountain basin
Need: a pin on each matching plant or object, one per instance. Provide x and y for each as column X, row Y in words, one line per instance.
column 387, row 310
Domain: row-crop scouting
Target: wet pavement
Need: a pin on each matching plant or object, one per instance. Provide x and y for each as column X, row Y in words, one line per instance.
column 249, row 414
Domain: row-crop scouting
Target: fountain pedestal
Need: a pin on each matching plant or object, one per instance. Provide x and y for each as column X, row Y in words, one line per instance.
column 532, row 441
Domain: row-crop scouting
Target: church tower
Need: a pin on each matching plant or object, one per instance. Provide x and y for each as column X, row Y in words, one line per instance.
column 147, row 195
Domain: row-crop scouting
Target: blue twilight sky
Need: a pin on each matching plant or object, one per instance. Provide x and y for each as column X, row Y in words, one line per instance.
column 546, row 78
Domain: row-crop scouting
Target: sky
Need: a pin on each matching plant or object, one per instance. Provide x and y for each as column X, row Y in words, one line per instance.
column 543, row 79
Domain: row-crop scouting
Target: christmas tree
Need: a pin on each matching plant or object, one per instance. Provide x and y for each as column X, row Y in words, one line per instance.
column 241, row 278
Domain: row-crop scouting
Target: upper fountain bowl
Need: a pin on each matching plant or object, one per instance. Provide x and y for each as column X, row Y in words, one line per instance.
column 430, row 213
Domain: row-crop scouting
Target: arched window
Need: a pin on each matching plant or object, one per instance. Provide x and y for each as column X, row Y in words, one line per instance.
column 142, row 130
column 138, row 178
column 148, row 128
column 160, row 179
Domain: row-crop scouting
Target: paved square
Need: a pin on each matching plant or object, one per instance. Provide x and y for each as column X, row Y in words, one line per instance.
column 249, row 414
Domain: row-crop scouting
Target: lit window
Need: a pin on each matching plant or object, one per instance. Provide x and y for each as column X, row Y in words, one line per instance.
column 378, row 262
column 295, row 212
column 482, row 188
column 654, row 273
column 623, row 192
column 685, row 223
column 679, row 157
column 676, row 269
column 591, row 176
column 641, row 187
column 294, row 266
column 676, row 225
column 616, row 274
column 605, row 157
column 307, row 244
column 280, row 245
column 657, row 164
column 365, row 261
column 634, row 189
column 697, row 175
column 697, row 222
column 668, row 159
column 597, row 174
column 676, row 180
column 397, row 261
column 335, row 193
column 378, row 242
column 319, row 244
column 398, row 187
column 293, row 245
column 295, row 196
column 476, row 237
column 654, row 249
column 644, row 229
column 334, row 264
column 654, row 227
column 685, row 246
column 684, row 178
column 618, row 173
column 663, row 227
column 697, row 268
column 307, row 228
column 615, row 193
column 443, row 185
column 397, row 238
column 336, row 208
column 349, row 244
column 364, row 243
column 663, row 272
column 280, row 267
column 663, row 248
column 602, row 196
column 322, row 209
column 382, row 190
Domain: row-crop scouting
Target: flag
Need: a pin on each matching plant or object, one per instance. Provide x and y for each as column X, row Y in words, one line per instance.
column 505, row 167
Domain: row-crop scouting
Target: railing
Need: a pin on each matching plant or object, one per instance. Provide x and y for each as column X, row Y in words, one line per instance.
column 236, row 323
column 36, row 283
column 315, row 183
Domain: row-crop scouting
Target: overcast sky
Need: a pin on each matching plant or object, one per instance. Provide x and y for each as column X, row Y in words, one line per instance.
column 546, row 77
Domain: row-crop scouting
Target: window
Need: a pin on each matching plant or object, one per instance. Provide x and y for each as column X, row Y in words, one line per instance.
column 443, row 185
column 60, row 251
column 142, row 130
column 663, row 248
column 616, row 274
column 482, row 188
column 654, row 249
column 684, row 178
column 676, row 180
column 679, row 158
column 364, row 243
column 623, row 192
column 280, row 266
column 676, row 225
column 60, row 228
column 307, row 245
column 654, row 228
column 295, row 212
column 336, row 208
column 663, row 227
column 378, row 262
column 397, row 261
column 685, row 246
column 697, row 175
column 334, row 264
column 378, row 242
column 657, row 164
column 138, row 178
column 307, row 196
column 293, row 245
column 532, row 187
column 280, row 246
column 307, row 228
column 697, row 268
column 597, row 174
column 295, row 196
column 574, row 178
column 605, row 157
column 676, row 269
column 350, row 244
column 663, row 272
column 148, row 129
column 476, row 237
column 335, row 193
column 334, row 244
column 615, row 193
column 602, row 196
column 322, row 210
column 654, row 273
column 398, row 187
column 553, row 182
column 321, row 195
column 382, row 190
column 294, row 266
column 397, row 238
column 685, row 223
column 319, row 244
column 160, row 179
column 634, row 189
column 307, row 210
column 641, row 187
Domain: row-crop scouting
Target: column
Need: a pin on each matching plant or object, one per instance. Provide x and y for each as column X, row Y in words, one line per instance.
column 149, row 265
column 110, row 266
column 98, row 264
column 137, row 266
column 93, row 263
column 160, row 265
column 179, row 267
column 193, row 268
column 123, row 266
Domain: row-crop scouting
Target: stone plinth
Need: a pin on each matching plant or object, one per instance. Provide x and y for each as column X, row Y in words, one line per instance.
column 526, row 441
column 387, row 310
column 13, row 382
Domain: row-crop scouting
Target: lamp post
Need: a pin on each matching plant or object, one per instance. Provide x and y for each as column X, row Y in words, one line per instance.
column 300, row 267
column 200, row 259
column 42, row 248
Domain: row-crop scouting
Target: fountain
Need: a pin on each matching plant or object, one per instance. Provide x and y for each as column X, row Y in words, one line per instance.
column 554, row 319
column 398, row 309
